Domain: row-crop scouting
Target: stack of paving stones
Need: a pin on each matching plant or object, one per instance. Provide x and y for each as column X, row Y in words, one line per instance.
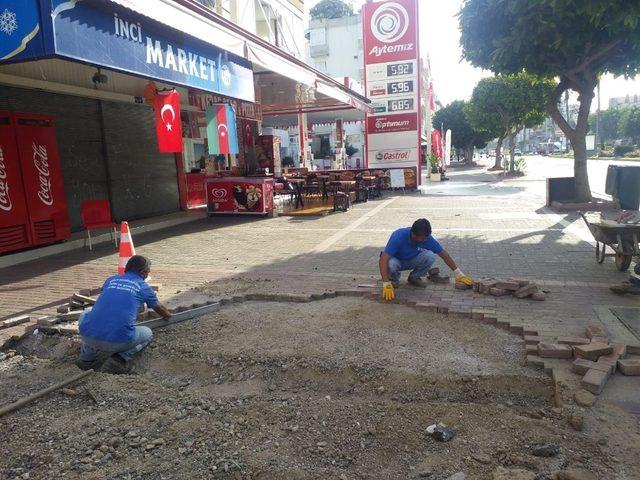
column 595, row 357
column 518, row 287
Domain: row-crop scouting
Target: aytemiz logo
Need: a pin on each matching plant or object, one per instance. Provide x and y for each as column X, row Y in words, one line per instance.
column 390, row 31
column 389, row 22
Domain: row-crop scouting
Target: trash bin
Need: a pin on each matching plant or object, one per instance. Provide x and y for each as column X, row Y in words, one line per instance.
column 628, row 187
column 611, row 184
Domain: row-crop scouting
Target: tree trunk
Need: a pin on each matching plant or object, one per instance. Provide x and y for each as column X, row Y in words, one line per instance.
column 512, row 153
column 577, row 136
column 468, row 154
column 498, row 163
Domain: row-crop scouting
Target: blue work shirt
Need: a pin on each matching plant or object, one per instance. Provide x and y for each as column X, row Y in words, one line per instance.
column 113, row 317
column 401, row 247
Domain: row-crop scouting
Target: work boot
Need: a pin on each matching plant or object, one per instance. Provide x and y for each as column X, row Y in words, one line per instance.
column 91, row 365
column 117, row 365
column 626, row 287
column 417, row 282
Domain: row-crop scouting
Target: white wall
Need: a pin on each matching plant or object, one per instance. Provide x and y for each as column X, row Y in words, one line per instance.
column 343, row 39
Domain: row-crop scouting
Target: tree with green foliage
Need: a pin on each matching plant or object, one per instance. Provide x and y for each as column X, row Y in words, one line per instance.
column 463, row 136
column 609, row 124
column 331, row 9
column 505, row 104
column 575, row 41
column 630, row 124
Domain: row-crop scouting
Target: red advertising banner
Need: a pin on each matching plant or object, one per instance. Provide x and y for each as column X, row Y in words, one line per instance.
column 401, row 122
column 15, row 232
column 42, row 177
column 166, row 106
column 390, row 31
column 239, row 195
column 196, row 195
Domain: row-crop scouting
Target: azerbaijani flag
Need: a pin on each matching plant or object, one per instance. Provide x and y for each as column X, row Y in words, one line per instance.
column 222, row 132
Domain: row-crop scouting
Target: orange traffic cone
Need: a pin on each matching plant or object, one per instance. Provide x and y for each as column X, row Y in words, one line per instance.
column 127, row 250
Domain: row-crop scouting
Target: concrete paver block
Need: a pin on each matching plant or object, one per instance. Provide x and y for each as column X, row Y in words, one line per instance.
column 629, row 367
column 554, row 350
column 527, row 290
column 510, row 286
column 584, row 398
column 12, row 322
column 532, row 339
column 592, row 351
column 595, row 331
column 582, row 366
column 594, row 381
column 573, row 340
column 538, row 296
column 498, row 292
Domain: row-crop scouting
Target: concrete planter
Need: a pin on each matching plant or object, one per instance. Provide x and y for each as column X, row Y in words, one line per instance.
column 435, row 177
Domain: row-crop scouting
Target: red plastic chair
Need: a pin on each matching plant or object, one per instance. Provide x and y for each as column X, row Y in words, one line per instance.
column 97, row 214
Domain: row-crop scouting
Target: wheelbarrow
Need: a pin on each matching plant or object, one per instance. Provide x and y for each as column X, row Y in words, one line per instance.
column 622, row 239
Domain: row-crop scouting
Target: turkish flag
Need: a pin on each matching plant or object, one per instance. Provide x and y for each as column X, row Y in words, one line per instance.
column 168, row 125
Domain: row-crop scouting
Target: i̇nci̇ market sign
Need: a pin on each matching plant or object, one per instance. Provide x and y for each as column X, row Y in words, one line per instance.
column 105, row 34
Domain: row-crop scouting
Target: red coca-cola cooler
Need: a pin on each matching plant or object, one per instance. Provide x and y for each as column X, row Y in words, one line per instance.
column 42, row 178
column 15, row 228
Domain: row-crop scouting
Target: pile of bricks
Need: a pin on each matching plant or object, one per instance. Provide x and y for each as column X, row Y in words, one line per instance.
column 594, row 356
column 71, row 311
column 518, row 287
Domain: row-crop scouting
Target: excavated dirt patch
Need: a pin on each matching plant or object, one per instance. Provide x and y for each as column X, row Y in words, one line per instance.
column 337, row 389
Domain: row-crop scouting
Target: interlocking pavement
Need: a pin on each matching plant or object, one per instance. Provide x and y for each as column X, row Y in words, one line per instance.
column 492, row 228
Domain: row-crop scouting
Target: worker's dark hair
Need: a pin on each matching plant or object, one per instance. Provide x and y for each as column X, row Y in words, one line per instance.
column 138, row 264
column 421, row 228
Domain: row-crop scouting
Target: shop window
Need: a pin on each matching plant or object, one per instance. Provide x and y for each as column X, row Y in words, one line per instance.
column 317, row 37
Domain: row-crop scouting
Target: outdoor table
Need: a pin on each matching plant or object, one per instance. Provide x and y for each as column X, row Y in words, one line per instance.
column 297, row 183
column 324, row 179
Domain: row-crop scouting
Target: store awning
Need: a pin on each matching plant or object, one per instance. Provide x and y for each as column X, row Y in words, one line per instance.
column 192, row 18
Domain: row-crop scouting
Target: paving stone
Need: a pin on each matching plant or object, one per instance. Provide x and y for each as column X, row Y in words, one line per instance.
column 595, row 331
column 498, row 292
column 607, row 365
column 629, row 367
column 531, row 349
column 573, row 340
column 554, row 350
column 592, row 351
column 619, row 351
column 527, row 290
column 538, row 296
column 599, row 339
column 582, row 366
column 594, row 381
column 520, row 281
column 533, row 340
column 584, row 398
column 12, row 322
column 510, row 286
column 535, row 361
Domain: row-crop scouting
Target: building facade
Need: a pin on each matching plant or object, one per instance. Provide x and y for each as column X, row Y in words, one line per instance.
column 626, row 101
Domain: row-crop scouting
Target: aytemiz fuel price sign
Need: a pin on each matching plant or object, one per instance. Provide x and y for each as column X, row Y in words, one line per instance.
column 400, row 69
column 402, row 105
column 405, row 86
column 391, row 55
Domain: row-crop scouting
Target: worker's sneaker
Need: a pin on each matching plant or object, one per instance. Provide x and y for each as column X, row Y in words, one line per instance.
column 417, row 282
column 117, row 365
column 93, row 364
column 626, row 287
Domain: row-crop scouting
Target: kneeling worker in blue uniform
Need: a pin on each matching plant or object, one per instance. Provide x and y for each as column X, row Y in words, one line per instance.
column 110, row 325
column 413, row 248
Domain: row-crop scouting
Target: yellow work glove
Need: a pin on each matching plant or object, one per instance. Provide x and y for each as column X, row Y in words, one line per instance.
column 462, row 278
column 388, row 293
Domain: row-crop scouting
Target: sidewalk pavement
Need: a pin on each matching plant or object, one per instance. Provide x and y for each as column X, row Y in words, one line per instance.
column 492, row 228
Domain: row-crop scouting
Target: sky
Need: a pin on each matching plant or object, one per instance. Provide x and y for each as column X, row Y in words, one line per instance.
column 454, row 79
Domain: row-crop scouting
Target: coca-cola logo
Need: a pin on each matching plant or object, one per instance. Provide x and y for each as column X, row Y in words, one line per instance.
column 219, row 194
column 5, row 199
column 41, row 162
